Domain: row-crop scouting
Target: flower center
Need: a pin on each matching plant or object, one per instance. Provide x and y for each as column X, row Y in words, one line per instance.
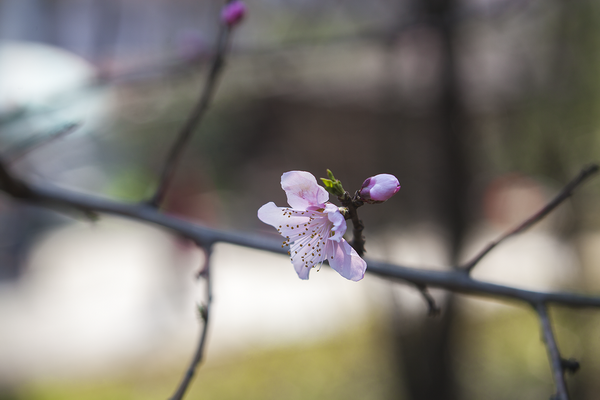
column 308, row 240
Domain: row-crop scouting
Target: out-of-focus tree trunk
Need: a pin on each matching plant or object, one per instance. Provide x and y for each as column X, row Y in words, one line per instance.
column 425, row 349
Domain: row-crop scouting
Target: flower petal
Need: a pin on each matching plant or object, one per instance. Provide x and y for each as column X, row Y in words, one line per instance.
column 271, row 214
column 338, row 220
column 288, row 222
column 346, row 261
column 302, row 190
column 301, row 269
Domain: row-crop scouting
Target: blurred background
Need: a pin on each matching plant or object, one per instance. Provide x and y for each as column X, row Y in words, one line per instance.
column 483, row 109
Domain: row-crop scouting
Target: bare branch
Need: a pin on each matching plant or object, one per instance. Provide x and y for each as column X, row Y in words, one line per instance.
column 19, row 150
column 12, row 185
column 194, row 118
column 454, row 281
column 556, row 362
column 432, row 308
column 564, row 194
column 457, row 282
column 204, row 311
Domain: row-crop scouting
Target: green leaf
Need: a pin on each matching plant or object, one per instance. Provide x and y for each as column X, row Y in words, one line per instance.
column 327, row 182
column 330, row 175
column 332, row 185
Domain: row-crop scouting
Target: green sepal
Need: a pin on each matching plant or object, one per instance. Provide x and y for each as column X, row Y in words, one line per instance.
column 330, row 175
column 332, row 185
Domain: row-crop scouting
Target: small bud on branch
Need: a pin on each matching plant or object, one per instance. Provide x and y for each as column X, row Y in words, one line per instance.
column 233, row 13
column 379, row 188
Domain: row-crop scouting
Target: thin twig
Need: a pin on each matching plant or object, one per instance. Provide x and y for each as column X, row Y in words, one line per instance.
column 556, row 362
column 13, row 186
column 185, row 134
column 432, row 308
column 204, row 311
column 22, row 148
column 564, row 194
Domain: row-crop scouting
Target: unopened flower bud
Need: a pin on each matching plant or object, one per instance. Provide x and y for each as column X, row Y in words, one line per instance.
column 233, row 13
column 379, row 188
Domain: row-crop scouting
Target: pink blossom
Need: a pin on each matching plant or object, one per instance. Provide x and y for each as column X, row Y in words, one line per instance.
column 379, row 188
column 233, row 12
column 312, row 227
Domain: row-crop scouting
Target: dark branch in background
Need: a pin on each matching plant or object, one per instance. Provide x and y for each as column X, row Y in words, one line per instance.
column 556, row 362
column 22, row 148
column 432, row 308
column 166, row 177
column 194, row 118
column 564, row 194
column 13, row 186
column 204, row 311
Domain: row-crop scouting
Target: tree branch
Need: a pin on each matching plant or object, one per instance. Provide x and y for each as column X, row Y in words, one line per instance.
column 432, row 308
column 564, row 194
column 556, row 362
column 194, row 118
column 204, row 311
column 454, row 280
column 20, row 149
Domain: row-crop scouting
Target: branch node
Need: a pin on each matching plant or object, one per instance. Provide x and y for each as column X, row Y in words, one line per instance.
column 203, row 312
column 433, row 309
column 571, row 365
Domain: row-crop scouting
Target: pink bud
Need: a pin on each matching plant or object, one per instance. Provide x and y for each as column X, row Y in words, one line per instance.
column 233, row 12
column 379, row 188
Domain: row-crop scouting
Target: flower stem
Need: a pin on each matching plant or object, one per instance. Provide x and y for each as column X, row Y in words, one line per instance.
column 352, row 203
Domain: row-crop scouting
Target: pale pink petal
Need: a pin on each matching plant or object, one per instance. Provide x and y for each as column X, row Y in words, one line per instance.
column 339, row 223
column 309, row 247
column 271, row 214
column 346, row 261
column 312, row 228
column 301, row 269
column 302, row 190
column 287, row 221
